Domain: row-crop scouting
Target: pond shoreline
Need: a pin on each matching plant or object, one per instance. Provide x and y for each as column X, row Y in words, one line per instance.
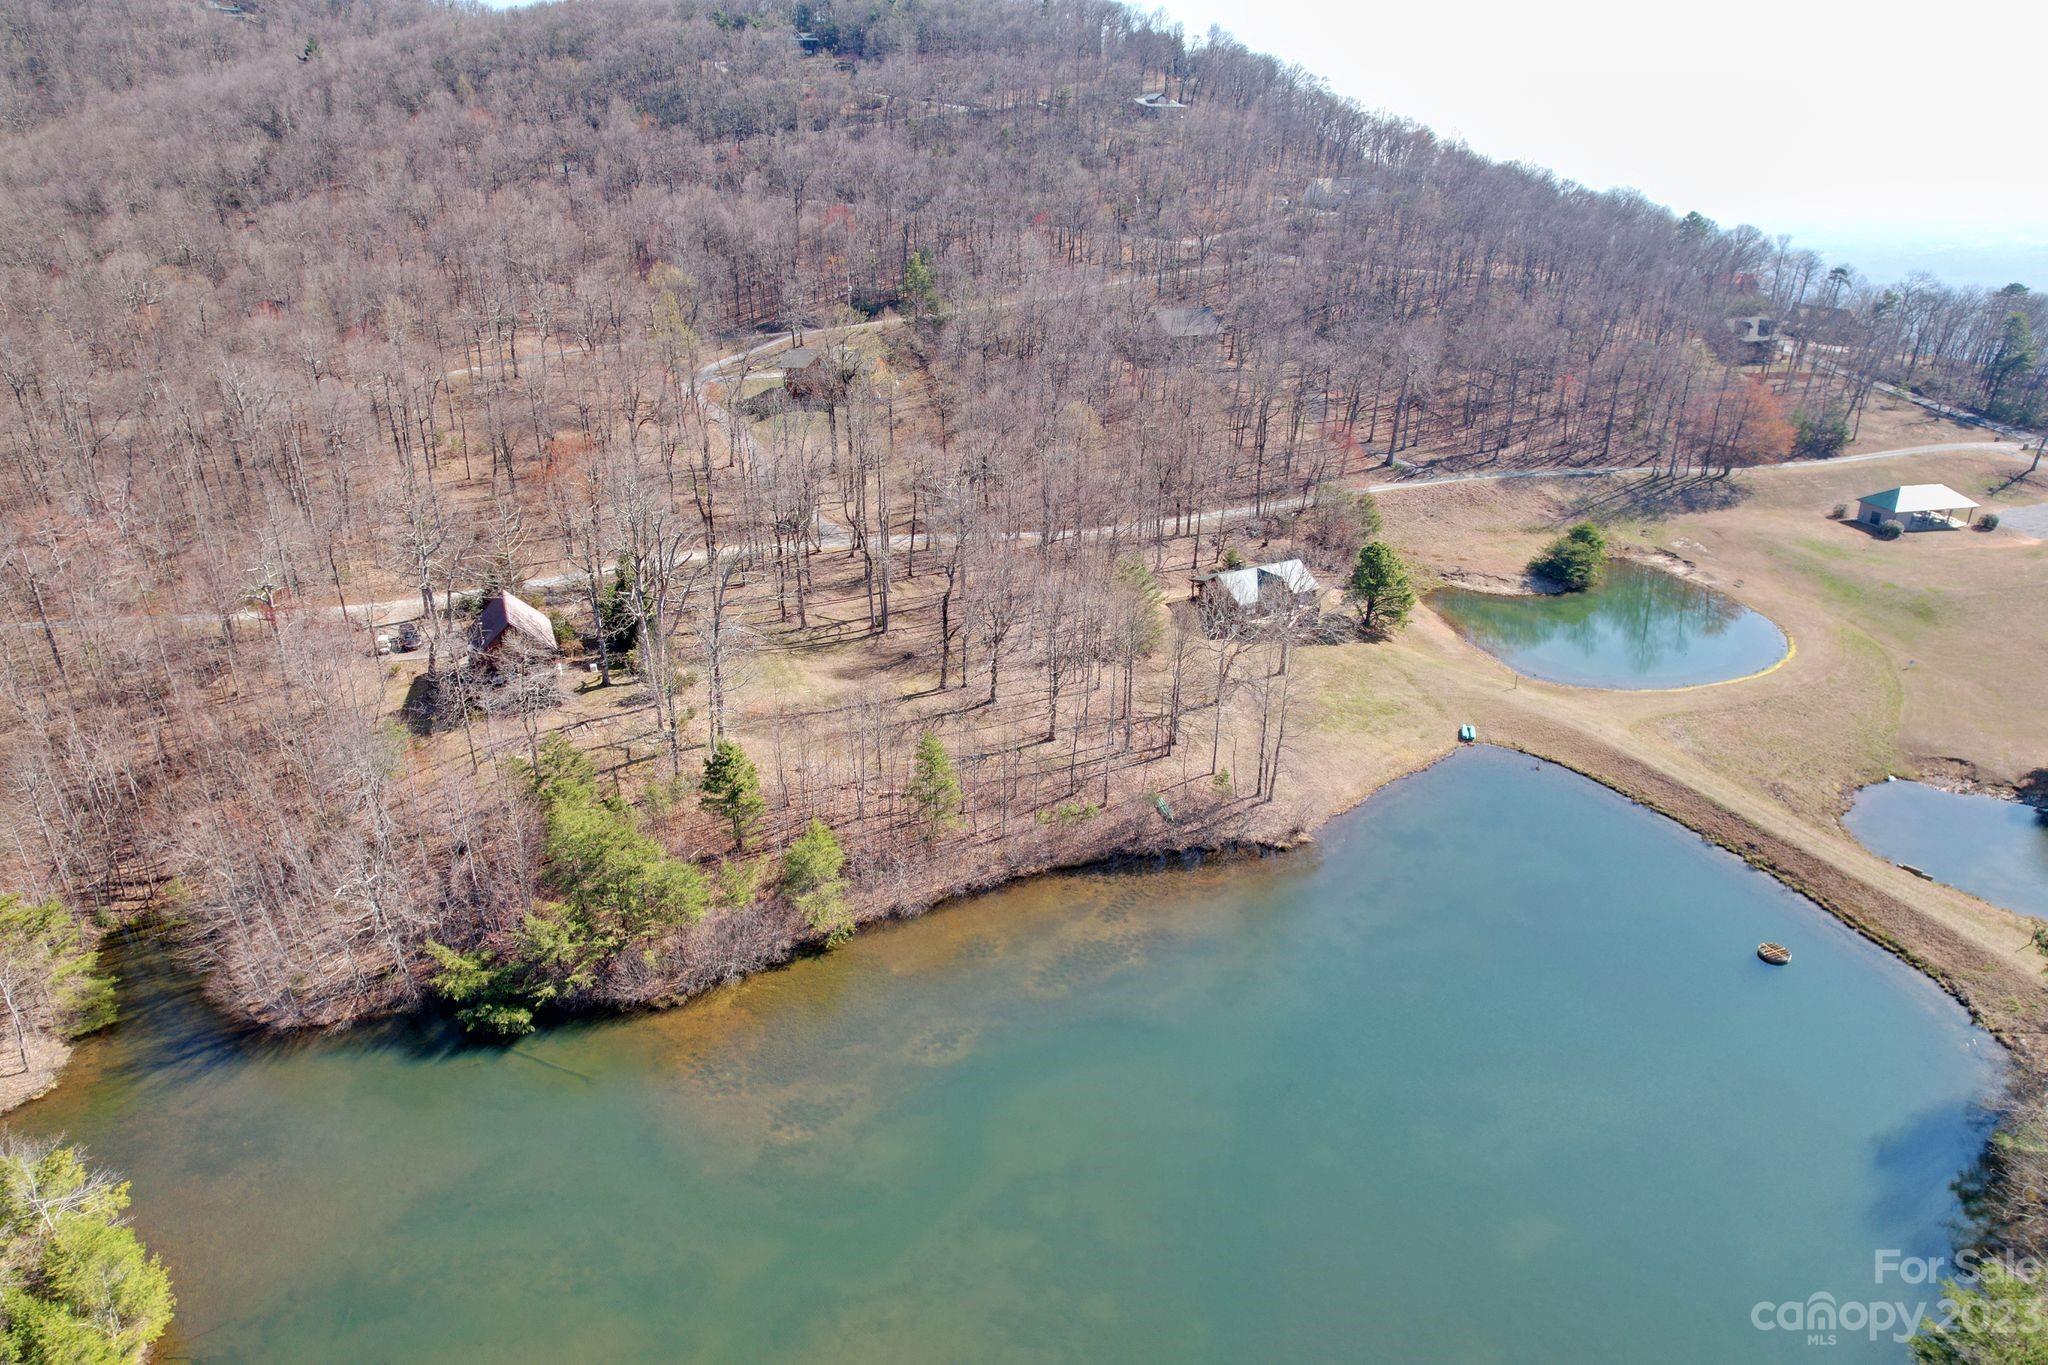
column 1960, row 776
column 1983, row 984
column 46, row 1062
column 1653, row 623
column 1032, row 1055
column 1531, row 585
column 1988, row 988
column 1877, row 915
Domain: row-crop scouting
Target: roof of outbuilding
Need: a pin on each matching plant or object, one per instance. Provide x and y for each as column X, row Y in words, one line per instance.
column 1197, row 321
column 1918, row 497
column 1293, row 573
column 1244, row 585
column 503, row 613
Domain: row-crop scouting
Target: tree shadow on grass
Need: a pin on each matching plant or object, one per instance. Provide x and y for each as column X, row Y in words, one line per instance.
column 1654, row 496
column 2019, row 477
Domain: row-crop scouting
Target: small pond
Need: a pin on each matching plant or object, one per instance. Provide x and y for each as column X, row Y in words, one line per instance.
column 1992, row 848
column 1641, row 628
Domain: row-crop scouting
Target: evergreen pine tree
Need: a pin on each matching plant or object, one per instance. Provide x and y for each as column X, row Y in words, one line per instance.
column 732, row 789
column 810, row 874
column 934, row 785
column 1379, row 587
column 78, row 1285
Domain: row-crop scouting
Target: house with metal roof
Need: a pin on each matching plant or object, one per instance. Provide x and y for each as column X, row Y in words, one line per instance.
column 1188, row 323
column 506, row 618
column 1917, row 507
column 1158, row 102
column 1260, row 589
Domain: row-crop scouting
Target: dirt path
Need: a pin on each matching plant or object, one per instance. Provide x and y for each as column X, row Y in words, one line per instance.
column 1609, row 471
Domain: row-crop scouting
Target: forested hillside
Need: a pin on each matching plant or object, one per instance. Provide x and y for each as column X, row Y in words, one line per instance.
column 310, row 311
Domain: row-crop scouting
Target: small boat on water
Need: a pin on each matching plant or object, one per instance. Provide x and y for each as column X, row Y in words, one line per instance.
column 1777, row 954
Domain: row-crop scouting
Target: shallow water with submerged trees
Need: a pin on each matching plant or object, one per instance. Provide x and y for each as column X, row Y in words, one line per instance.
column 1491, row 1071
column 1639, row 628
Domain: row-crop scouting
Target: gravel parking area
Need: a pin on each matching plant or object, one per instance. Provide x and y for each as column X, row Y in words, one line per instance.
column 2028, row 521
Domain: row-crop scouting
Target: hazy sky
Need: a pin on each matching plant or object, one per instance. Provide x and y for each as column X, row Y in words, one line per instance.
column 1894, row 136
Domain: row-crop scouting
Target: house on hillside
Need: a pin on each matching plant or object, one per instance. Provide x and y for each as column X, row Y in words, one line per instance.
column 813, row 375
column 1754, row 330
column 1157, row 103
column 1188, row 324
column 1334, row 192
column 1258, row 592
column 1917, row 507
column 508, row 623
column 1753, row 338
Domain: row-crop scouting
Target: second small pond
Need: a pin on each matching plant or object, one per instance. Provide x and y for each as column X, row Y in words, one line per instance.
column 1640, row 628
column 1993, row 848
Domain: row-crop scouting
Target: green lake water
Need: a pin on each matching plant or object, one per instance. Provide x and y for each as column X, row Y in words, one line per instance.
column 1491, row 1073
column 1992, row 848
column 1640, row 628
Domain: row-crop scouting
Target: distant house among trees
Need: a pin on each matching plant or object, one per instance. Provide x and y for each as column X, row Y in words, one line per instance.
column 507, row 621
column 798, row 358
column 1755, row 330
column 1755, row 337
column 1188, row 324
column 1158, row 102
column 1259, row 591
column 817, row 376
column 1333, row 192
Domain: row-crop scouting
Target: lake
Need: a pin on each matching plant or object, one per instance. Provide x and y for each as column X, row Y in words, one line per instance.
column 1993, row 848
column 1640, row 628
column 1491, row 1072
